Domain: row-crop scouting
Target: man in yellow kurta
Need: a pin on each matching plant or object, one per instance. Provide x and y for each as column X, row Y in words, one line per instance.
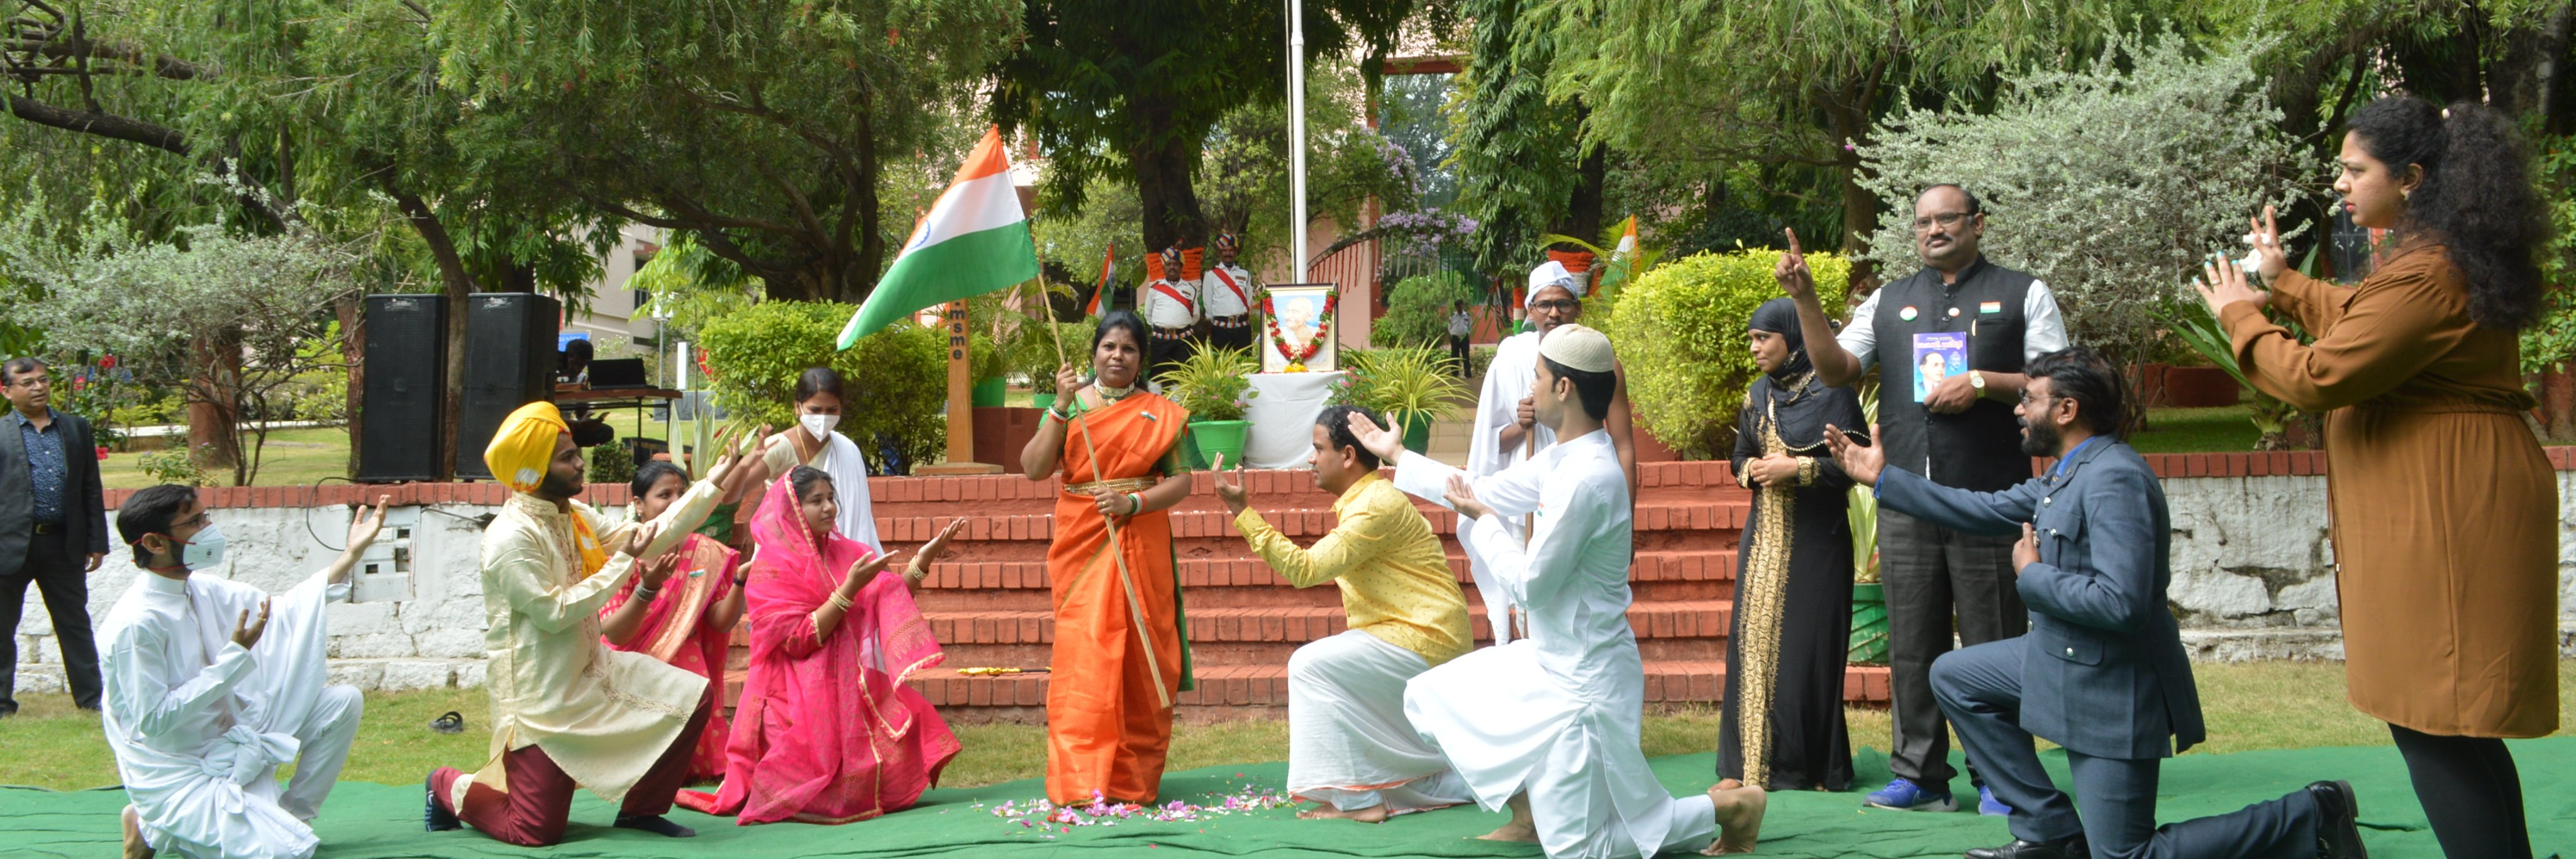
column 1350, row 748
column 567, row 712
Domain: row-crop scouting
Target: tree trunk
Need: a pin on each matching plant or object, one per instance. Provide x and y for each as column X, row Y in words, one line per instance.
column 214, row 405
column 2524, row 79
column 1163, row 185
column 353, row 348
column 456, row 283
column 861, row 277
column 1583, row 207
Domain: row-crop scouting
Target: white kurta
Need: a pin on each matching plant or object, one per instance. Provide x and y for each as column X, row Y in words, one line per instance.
column 1560, row 714
column 1512, row 376
column 200, row 725
column 840, row 458
column 602, row 715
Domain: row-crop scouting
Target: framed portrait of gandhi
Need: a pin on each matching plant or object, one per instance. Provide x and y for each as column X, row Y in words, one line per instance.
column 1297, row 332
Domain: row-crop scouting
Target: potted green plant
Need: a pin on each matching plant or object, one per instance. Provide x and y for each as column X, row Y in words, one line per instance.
column 1214, row 385
column 1410, row 386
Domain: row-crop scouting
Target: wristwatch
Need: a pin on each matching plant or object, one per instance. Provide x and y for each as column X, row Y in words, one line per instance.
column 1977, row 380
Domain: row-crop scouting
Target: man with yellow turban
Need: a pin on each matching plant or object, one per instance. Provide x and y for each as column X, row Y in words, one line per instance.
column 567, row 712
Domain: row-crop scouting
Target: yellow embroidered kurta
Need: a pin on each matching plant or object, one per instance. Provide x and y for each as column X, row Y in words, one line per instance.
column 602, row 715
column 1395, row 579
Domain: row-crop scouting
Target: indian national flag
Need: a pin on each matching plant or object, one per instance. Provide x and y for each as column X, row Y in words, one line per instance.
column 974, row 241
column 1627, row 240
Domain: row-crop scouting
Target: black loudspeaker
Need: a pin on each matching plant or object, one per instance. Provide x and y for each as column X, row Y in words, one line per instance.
column 404, row 395
column 509, row 362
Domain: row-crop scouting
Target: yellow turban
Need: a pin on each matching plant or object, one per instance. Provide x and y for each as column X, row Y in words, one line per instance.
column 525, row 445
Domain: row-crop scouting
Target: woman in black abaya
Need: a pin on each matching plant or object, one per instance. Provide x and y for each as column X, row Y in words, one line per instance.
column 1783, row 723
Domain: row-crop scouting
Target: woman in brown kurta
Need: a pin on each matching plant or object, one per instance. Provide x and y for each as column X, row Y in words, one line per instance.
column 2444, row 511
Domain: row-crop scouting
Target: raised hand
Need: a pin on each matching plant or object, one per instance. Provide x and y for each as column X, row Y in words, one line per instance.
column 1462, row 498
column 1377, row 439
column 642, row 538
column 1792, row 273
column 2273, row 259
column 658, row 571
column 1862, row 462
column 859, row 574
column 364, row 528
column 932, row 551
column 2222, row 283
column 1233, row 494
column 1067, row 384
column 248, row 631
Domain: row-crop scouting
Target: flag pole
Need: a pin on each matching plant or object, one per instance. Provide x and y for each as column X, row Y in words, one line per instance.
column 1297, row 140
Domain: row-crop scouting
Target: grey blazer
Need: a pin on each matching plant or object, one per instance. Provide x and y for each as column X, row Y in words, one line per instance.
column 2103, row 671
column 84, row 504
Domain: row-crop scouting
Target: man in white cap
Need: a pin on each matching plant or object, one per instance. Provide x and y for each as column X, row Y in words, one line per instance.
column 1551, row 725
column 1507, row 430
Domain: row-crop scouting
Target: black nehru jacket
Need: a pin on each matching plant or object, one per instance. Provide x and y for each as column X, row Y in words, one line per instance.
column 1979, row 449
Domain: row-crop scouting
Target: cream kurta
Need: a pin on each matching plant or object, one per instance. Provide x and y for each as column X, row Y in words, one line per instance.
column 602, row 715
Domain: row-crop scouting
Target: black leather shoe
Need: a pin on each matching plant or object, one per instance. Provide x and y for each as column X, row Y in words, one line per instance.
column 432, row 817
column 2338, row 821
column 2071, row 848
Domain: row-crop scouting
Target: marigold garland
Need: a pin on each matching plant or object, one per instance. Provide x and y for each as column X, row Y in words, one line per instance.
column 1297, row 357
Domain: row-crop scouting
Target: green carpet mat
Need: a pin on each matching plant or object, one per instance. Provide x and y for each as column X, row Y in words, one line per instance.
column 364, row 821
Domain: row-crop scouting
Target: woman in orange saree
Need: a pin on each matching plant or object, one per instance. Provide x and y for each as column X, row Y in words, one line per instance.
column 826, row 731
column 688, row 619
column 1120, row 638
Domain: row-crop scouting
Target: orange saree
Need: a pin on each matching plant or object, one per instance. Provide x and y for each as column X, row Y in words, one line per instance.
column 1108, row 725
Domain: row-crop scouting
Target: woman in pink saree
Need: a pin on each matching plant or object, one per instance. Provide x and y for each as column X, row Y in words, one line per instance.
column 692, row 598
column 826, row 732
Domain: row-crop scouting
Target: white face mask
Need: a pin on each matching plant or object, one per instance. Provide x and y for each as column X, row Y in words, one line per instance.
column 820, row 426
column 205, row 551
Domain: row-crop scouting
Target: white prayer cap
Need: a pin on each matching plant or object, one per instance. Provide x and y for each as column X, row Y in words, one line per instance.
column 1578, row 348
column 1551, row 273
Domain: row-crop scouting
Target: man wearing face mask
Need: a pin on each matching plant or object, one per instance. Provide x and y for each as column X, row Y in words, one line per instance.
column 814, row 441
column 1984, row 322
column 567, row 712
column 213, row 684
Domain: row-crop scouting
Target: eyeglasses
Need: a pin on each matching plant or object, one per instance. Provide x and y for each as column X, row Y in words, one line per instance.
column 32, row 382
column 1947, row 220
column 198, row 521
column 2027, row 399
column 1556, row 305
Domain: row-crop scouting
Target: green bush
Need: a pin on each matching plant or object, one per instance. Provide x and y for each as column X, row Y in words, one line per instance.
column 174, row 465
column 1679, row 331
column 612, row 463
column 897, row 379
column 1417, row 311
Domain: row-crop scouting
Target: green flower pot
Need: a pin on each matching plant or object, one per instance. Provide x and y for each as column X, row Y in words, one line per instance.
column 1042, row 399
column 1869, row 624
column 1417, row 434
column 989, row 393
column 1207, row 439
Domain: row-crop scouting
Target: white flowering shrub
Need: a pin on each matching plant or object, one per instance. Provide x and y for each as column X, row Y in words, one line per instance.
column 2109, row 183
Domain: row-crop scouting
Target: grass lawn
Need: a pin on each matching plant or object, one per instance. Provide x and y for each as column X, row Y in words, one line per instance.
column 2224, row 429
column 2249, row 706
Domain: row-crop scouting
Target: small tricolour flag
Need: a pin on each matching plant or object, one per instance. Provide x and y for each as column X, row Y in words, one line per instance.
column 1108, row 275
column 975, row 240
column 1627, row 240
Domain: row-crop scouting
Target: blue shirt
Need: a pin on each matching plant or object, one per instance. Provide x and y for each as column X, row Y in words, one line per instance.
column 45, row 464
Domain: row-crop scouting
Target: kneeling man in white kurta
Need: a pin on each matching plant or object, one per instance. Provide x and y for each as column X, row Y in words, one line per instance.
column 213, row 684
column 1550, row 725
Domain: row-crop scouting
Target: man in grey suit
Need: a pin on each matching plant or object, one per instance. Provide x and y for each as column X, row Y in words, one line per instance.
column 53, row 527
column 2102, row 670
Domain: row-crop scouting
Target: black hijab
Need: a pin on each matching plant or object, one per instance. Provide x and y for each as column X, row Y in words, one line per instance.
column 1791, row 393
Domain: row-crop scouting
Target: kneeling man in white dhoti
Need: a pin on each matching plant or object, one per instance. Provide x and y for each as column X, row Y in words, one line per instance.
column 1349, row 745
column 213, row 684
column 1550, row 725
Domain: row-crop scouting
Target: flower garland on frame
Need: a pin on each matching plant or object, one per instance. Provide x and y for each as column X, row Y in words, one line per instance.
column 1297, row 357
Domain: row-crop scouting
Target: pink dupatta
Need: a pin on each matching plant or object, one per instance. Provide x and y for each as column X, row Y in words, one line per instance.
column 825, row 731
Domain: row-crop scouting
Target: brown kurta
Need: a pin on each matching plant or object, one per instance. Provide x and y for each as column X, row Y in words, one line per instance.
column 2444, row 511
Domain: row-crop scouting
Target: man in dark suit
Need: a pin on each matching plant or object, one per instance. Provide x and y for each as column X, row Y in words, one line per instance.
column 53, row 527
column 2102, row 670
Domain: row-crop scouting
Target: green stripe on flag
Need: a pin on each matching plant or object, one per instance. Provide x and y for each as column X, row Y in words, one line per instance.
column 963, row 267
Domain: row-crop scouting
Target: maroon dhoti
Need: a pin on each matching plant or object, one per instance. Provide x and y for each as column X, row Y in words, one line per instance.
column 539, row 802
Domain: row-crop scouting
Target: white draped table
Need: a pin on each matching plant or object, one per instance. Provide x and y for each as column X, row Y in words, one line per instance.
column 1283, row 417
